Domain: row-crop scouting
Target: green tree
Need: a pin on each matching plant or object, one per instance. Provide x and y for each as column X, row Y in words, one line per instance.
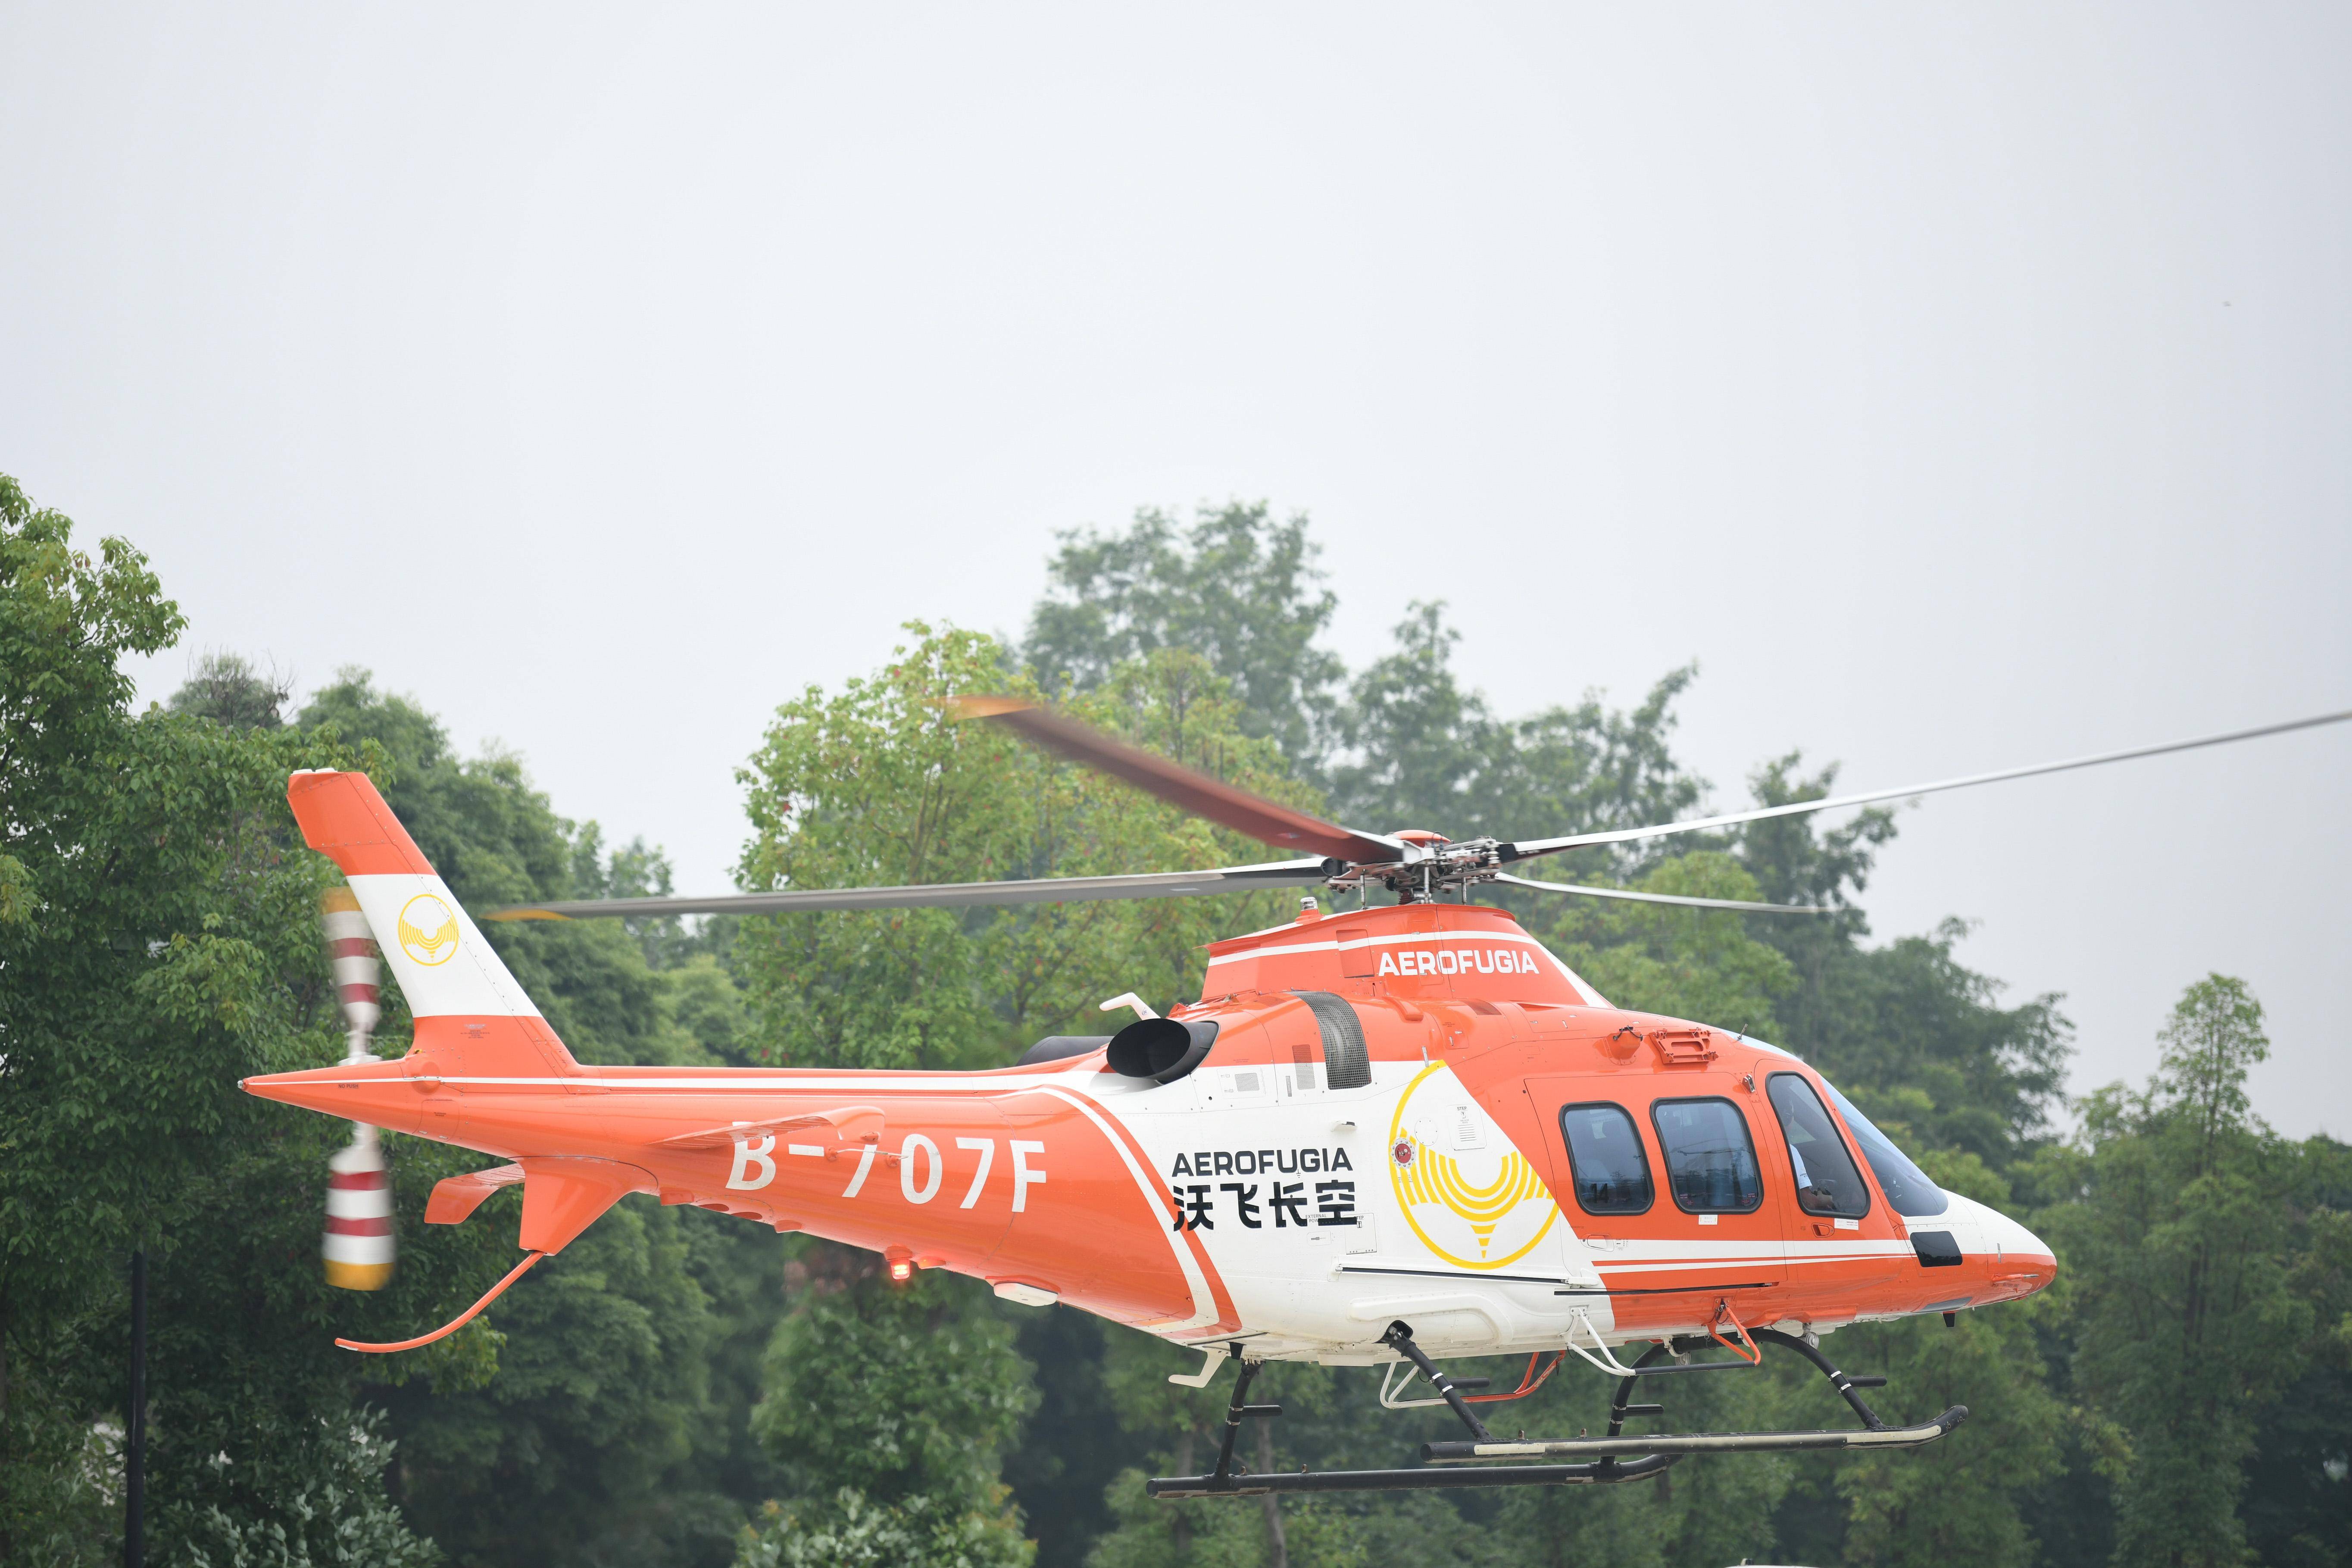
column 158, row 933
column 73, row 856
column 1178, row 1426
column 875, row 787
column 1237, row 588
column 228, row 690
column 2186, row 1317
column 1331, row 1418
column 329, row 1509
column 602, row 1437
column 1684, row 962
column 2298, row 1505
column 877, row 784
column 889, row 1405
column 588, row 1444
column 1423, row 752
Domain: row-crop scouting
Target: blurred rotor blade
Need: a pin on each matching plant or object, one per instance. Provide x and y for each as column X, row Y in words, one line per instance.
column 1662, row 898
column 1528, row 847
column 943, row 895
column 1222, row 804
column 351, row 955
column 359, row 1246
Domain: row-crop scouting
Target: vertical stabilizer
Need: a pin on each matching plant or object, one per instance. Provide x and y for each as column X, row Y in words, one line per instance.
column 469, row 1011
column 436, row 954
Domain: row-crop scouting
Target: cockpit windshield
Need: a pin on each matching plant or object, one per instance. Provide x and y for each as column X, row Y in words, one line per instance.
column 1906, row 1185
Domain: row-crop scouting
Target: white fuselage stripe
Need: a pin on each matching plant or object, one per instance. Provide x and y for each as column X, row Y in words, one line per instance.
column 1205, row 1302
column 960, row 1084
column 1679, row 1266
column 1335, row 946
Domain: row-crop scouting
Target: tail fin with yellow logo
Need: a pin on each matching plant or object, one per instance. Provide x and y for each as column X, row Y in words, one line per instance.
column 470, row 1013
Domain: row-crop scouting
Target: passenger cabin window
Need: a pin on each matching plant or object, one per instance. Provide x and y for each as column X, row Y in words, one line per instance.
column 1710, row 1159
column 1828, row 1181
column 1606, row 1164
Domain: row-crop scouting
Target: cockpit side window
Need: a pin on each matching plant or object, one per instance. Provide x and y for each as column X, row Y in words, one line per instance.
column 1828, row 1181
column 1906, row 1187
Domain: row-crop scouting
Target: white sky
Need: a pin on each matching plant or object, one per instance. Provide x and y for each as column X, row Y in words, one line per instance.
column 1959, row 385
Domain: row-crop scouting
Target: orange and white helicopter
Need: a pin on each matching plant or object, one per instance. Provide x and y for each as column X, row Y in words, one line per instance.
column 1391, row 1136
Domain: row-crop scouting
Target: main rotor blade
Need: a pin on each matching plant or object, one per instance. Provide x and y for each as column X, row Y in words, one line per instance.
column 1529, row 848
column 1222, row 804
column 940, row 895
column 1662, row 898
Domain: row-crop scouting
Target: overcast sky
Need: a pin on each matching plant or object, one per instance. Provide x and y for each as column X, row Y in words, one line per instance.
column 1959, row 385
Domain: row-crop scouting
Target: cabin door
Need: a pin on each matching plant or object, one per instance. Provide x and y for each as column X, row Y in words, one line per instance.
column 1665, row 1178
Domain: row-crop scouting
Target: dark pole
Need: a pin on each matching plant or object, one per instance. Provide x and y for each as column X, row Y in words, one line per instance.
column 134, row 1455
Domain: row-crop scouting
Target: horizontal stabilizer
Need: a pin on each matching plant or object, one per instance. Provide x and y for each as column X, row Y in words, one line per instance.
column 563, row 1197
column 455, row 1198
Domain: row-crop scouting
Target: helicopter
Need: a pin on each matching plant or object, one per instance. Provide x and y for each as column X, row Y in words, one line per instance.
column 1393, row 1135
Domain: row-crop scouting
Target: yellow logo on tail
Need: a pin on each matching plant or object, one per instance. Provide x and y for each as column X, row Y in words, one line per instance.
column 428, row 930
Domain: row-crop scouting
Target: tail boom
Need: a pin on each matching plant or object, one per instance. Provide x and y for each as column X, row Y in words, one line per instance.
column 1020, row 1177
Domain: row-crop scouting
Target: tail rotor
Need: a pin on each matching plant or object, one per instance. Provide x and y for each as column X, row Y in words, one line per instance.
column 359, row 1245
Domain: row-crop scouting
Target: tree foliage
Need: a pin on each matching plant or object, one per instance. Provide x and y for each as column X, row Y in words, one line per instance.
column 1422, row 752
column 879, row 785
column 159, row 943
column 592, row 1440
column 2187, row 1317
column 1237, row 588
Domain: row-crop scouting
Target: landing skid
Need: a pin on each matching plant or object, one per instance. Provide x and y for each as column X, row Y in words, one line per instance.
column 1601, row 1461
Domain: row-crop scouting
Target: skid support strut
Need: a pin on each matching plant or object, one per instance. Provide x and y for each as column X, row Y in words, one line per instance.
column 1596, row 1461
column 1399, row 1338
column 1228, row 1480
column 1876, row 1433
column 1236, row 1410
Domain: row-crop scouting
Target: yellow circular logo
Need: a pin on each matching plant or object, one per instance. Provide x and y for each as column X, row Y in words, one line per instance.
column 428, row 930
column 1470, row 1195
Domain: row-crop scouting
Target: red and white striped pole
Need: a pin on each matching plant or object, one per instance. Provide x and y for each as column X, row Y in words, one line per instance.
column 359, row 1193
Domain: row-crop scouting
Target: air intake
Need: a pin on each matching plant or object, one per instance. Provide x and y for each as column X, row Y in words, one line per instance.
column 1162, row 1049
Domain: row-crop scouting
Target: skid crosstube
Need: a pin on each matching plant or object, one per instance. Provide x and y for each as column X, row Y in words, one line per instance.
column 1471, row 1464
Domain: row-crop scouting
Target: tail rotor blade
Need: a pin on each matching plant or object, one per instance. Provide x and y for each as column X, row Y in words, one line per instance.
column 359, row 1243
column 350, row 950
